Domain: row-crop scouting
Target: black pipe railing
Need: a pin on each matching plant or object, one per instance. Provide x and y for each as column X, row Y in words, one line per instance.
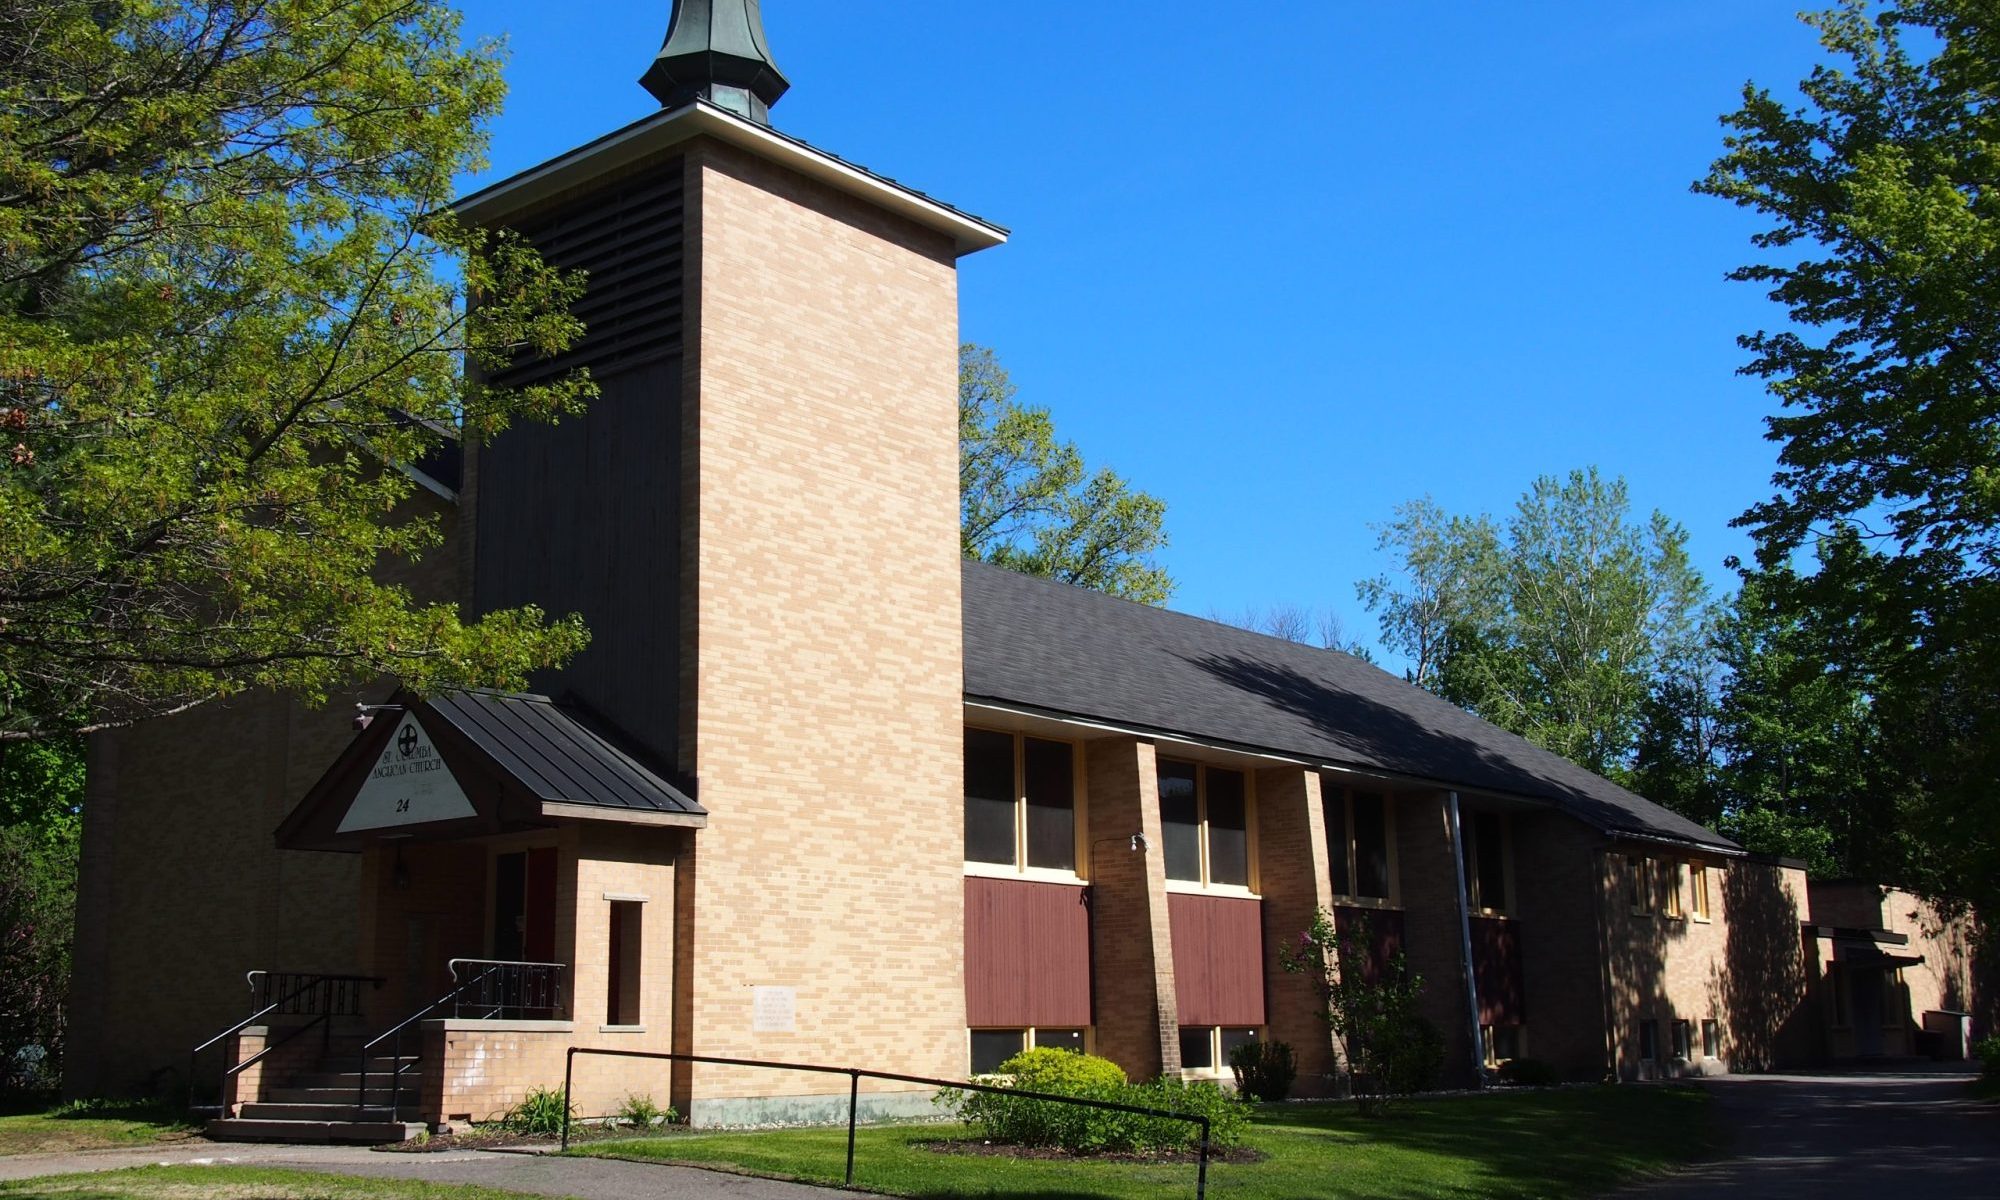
column 286, row 994
column 856, row 1074
column 495, row 991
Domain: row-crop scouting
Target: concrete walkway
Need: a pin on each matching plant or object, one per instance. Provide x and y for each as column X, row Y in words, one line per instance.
column 539, row 1175
column 1911, row 1135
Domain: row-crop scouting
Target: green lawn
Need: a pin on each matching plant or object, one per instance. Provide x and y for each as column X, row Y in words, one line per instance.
column 87, row 1126
column 237, row 1183
column 1570, row 1142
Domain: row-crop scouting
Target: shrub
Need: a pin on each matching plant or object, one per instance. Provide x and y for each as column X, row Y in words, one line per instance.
column 1023, row 1121
column 1530, row 1072
column 641, row 1113
column 541, row 1113
column 1387, row 1045
column 1987, row 1050
column 1264, row 1070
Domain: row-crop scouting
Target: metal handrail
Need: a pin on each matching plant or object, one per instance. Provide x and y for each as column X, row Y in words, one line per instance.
column 311, row 983
column 856, row 1074
column 491, row 967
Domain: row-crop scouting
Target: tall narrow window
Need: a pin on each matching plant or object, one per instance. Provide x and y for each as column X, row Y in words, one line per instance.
column 1371, row 845
column 1180, row 820
column 1228, row 829
column 1683, row 1041
column 989, row 797
column 1020, row 802
column 1637, row 891
column 625, row 945
column 1698, row 888
column 1051, row 795
column 1333, row 806
column 1205, row 822
column 1485, row 853
column 1711, row 1038
column 1670, row 873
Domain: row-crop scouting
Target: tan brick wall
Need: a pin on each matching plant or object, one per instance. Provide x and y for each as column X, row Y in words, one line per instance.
column 1131, row 938
column 824, row 680
column 182, row 890
column 1558, row 898
column 1743, row 968
column 1295, row 882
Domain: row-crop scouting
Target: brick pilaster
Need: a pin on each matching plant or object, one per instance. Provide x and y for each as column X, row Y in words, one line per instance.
column 1294, row 879
column 1131, row 942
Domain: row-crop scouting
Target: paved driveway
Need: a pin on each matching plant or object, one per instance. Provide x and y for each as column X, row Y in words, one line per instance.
column 1903, row 1136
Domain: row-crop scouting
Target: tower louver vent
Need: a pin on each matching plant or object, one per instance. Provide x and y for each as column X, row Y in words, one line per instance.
column 629, row 239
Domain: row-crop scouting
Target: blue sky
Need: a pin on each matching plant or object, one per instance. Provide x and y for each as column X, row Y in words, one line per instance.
column 1289, row 264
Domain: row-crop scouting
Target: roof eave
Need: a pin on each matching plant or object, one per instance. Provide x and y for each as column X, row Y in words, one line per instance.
column 661, row 131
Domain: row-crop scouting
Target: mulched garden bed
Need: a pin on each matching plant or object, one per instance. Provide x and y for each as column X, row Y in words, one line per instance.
column 983, row 1149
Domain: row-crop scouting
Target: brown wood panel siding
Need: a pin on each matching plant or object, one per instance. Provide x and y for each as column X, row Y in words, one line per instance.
column 1379, row 931
column 1027, row 954
column 1218, row 959
column 629, row 238
column 1496, row 964
column 584, row 517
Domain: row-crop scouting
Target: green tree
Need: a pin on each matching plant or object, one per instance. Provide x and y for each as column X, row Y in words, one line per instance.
column 1882, row 244
column 1559, row 625
column 230, row 294
column 1028, row 502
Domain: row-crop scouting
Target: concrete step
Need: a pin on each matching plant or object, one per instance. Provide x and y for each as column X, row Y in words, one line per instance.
column 351, row 1079
column 378, row 1093
column 373, row 1133
column 274, row 1110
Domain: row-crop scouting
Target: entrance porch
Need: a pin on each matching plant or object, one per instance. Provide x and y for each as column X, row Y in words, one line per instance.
column 508, row 911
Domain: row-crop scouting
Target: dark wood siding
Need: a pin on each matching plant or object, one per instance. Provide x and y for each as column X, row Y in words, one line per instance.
column 1379, row 932
column 1496, row 964
column 1218, row 959
column 628, row 238
column 584, row 517
column 1027, row 954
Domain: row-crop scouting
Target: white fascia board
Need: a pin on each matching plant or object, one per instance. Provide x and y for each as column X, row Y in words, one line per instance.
column 659, row 132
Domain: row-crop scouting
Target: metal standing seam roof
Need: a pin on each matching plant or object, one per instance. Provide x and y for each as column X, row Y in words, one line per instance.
column 556, row 757
column 1069, row 651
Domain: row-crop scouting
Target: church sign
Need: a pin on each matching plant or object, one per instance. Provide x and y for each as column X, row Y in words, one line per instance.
column 408, row 784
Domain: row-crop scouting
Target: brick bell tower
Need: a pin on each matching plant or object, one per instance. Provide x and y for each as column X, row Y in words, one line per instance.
column 758, row 520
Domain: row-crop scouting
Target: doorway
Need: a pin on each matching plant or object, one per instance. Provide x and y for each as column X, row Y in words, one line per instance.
column 1865, row 990
column 524, row 906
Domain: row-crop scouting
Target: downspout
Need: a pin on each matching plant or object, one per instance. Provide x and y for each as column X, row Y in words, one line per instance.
column 1465, row 944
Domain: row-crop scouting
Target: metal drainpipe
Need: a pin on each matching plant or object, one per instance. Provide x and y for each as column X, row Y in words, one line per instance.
column 1465, row 944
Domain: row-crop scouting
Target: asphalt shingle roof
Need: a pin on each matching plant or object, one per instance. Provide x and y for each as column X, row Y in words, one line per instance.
column 1073, row 652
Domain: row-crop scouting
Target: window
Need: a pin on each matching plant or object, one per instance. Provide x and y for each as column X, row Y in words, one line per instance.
column 1649, row 1041
column 1636, row 890
column 1205, row 822
column 1698, row 886
column 1837, row 988
column 992, row 1047
column 622, row 991
column 1020, row 802
column 1358, row 856
column 1683, row 1041
column 1671, row 877
column 1485, row 851
column 1502, row 1043
column 1711, row 1038
column 1206, row 1049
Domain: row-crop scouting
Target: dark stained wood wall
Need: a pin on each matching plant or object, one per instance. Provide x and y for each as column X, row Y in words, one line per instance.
column 1496, row 965
column 1218, row 959
column 584, row 516
column 1027, row 954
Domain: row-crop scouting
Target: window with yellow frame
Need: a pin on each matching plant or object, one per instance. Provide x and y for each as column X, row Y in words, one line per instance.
column 1205, row 821
column 1023, row 810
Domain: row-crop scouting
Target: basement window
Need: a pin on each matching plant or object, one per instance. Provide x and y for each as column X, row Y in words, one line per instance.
column 992, row 1047
column 1683, row 1041
column 1205, row 1049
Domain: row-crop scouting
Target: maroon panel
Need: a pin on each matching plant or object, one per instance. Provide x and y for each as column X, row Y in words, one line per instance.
column 1379, row 933
column 1027, row 954
column 1218, row 959
column 538, row 943
column 1496, row 965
